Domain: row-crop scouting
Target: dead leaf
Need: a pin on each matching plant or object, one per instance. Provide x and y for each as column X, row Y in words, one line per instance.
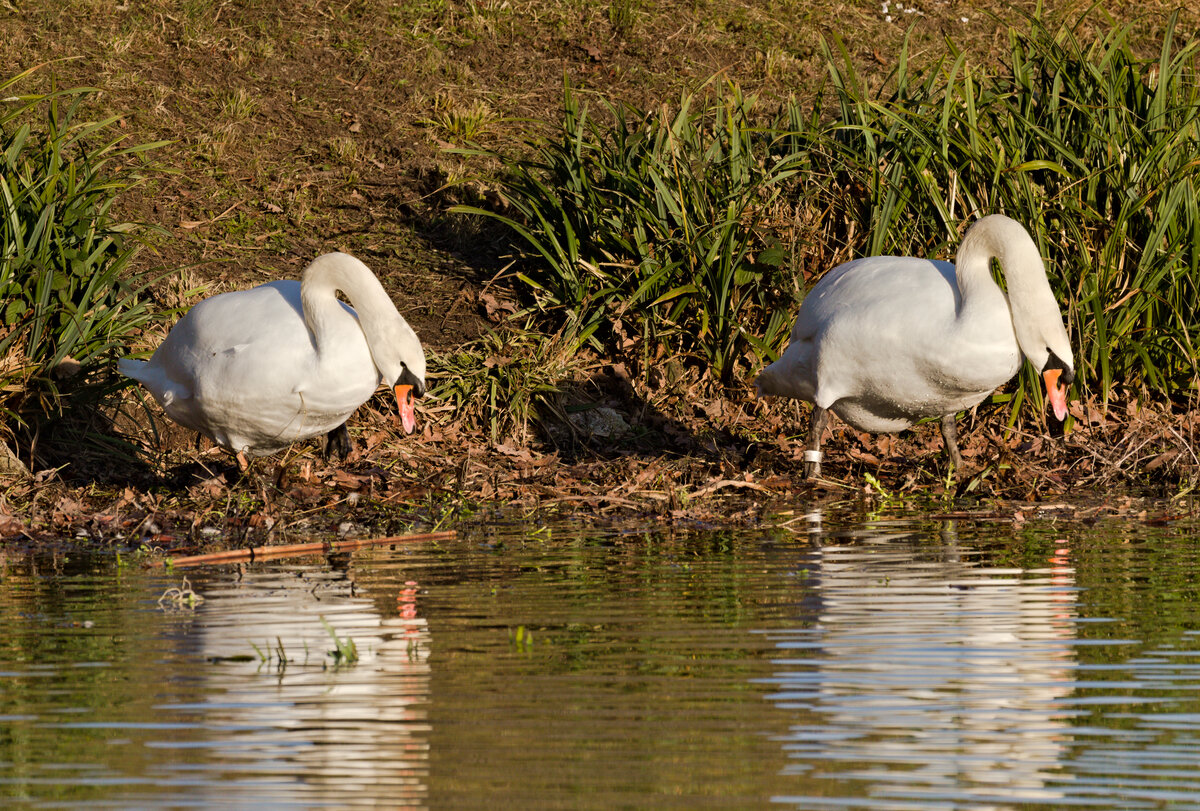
column 494, row 308
column 261, row 521
column 508, row 450
column 1160, row 460
column 863, row 456
column 349, row 481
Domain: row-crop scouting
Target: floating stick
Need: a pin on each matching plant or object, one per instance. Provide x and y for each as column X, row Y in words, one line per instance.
column 258, row 553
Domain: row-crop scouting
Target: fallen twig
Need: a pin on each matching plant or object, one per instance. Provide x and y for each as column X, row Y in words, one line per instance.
column 709, row 489
column 292, row 550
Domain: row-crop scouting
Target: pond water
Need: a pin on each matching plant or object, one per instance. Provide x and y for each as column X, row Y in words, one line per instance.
column 888, row 664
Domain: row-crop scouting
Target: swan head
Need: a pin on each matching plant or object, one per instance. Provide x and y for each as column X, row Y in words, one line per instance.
column 1058, row 377
column 401, row 364
column 1043, row 340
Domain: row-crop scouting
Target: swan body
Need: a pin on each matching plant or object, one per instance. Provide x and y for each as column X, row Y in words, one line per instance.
column 257, row 370
column 885, row 341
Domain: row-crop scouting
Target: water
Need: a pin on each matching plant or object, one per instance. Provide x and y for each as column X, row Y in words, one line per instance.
column 899, row 664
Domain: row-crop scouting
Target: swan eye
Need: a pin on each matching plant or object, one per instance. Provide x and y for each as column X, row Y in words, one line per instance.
column 415, row 385
column 1055, row 362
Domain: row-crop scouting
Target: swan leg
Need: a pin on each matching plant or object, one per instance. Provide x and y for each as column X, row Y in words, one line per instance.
column 337, row 443
column 950, row 438
column 812, row 456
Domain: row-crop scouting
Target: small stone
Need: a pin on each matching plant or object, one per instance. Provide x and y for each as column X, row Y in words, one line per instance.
column 10, row 465
column 601, row 422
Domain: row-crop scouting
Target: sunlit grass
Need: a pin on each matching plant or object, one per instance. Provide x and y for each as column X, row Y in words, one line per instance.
column 507, row 384
column 459, row 123
column 238, row 104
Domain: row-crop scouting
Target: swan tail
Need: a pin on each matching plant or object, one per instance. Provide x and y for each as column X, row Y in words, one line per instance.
column 132, row 368
column 786, row 377
column 164, row 389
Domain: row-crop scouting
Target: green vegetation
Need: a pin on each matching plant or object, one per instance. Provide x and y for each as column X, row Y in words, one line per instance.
column 68, row 298
column 643, row 227
column 345, row 652
column 521, row 639
column 663, row 229
column 274, row 656
column 505, row 384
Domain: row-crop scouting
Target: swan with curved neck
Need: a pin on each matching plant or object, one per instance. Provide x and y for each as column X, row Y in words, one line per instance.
column 885, row 341
column 257, row 370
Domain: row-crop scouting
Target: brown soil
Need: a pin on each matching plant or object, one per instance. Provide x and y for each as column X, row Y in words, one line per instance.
column 325, row 125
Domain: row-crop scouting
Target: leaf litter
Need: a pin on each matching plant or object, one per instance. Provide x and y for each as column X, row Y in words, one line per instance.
column 692, row 456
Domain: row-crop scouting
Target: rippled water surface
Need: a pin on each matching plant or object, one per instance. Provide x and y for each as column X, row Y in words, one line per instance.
column 906, row 664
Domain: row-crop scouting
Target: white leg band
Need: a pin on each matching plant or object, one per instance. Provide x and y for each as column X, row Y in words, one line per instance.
column 812, row 456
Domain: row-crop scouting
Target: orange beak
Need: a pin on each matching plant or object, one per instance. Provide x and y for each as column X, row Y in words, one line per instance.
column 404, row 399
column 1056, row 393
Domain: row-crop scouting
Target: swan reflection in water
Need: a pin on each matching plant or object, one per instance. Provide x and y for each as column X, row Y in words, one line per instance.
column 290, row 725
column 926, row 678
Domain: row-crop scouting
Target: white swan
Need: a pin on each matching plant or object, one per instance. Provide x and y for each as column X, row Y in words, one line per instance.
column 885, row 341
column 256, row 370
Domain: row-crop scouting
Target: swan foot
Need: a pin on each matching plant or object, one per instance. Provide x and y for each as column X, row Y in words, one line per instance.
column 950, row 438
column 812, row 456
column 337, row 443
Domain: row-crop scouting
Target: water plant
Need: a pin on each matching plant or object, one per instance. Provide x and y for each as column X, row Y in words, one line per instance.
column 182, row 596
column 521, row 639
column 344, row 652
column 274, row 655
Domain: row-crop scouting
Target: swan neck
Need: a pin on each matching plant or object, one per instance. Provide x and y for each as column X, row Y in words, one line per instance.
column 1030, row 305
column 975, row 281
column 318, row 294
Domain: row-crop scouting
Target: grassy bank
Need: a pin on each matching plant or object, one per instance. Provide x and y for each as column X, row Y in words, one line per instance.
column 649, row 231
